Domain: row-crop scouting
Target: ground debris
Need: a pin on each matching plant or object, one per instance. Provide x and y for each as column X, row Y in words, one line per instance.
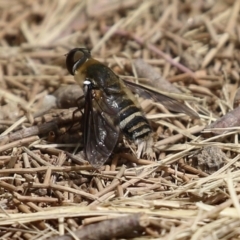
column 209, row 159
column 47, row 187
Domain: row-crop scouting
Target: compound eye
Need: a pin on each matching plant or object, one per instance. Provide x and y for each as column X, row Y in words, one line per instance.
column 74, row 59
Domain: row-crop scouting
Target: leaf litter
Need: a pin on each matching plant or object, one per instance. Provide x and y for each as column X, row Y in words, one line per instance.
column 189, row 50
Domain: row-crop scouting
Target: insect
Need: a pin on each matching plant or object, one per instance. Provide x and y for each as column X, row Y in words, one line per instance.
column 110, row 106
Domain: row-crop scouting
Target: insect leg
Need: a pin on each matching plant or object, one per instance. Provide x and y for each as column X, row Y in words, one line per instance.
column 80, row 104
column 146, row 148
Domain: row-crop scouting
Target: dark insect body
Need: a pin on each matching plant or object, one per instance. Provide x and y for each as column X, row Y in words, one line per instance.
column 111, row 107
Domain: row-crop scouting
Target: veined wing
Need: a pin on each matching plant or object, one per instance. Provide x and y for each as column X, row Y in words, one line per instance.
column 170, row 103
column 100, row 129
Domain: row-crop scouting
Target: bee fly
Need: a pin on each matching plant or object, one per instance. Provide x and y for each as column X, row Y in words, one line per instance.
column 111, row 107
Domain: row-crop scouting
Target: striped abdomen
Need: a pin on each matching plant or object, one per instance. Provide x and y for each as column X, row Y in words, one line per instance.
column 133, row 124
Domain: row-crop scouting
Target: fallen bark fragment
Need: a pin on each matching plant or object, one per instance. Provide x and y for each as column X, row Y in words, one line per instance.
column 112, row 228
column 65, row 117
column 236, row 101
column 209, row 159
column 231, row 119
column 145, row 70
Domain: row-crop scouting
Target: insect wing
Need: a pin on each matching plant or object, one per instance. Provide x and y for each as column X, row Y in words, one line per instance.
column 170, row 103
column 100, row 129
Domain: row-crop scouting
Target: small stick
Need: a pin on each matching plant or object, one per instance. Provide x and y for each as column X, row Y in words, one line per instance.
column 134, row 159
column 110, row 173
column 119, row 191
column 29, row 177
column 211, row 54
column 36, row 157
column 114, row 183
column 114, row 163
column 44, row 169
column 177, row 137
column 26, row 160
column 98, row 184
column 68, row 189
column 59, row 195
column 23, row 208
column 5, row 161
column 35, row 199
column 7, row 186
column 193, row 170
column 47, row 176
column 18, row 143
column 179, row 78
column 35, row 164
column 232, row 21
column 210, row 28
column 142, row 175
column 34, row 206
